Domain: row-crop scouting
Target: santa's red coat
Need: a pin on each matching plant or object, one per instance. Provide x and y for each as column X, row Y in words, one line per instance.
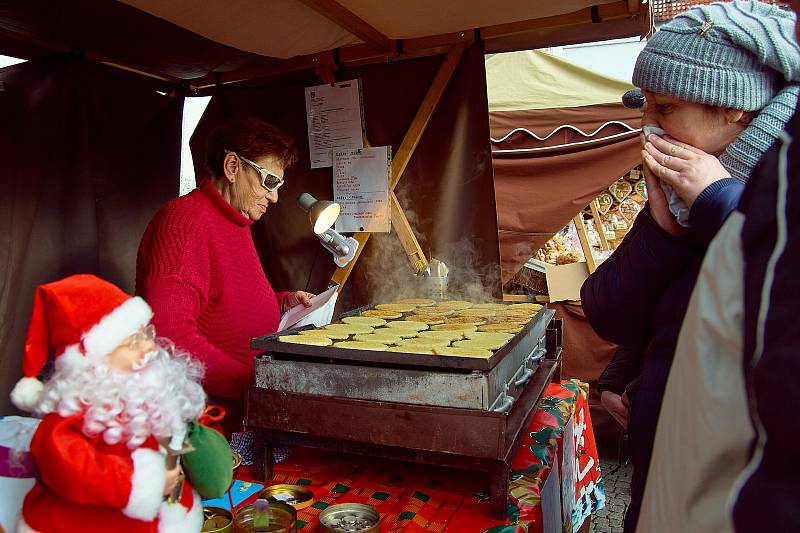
column 86, row 485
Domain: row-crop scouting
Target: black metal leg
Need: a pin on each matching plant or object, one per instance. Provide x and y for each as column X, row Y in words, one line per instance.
column 498, row 492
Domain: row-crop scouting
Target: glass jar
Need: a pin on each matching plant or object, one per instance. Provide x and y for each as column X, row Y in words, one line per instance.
column 282, row 519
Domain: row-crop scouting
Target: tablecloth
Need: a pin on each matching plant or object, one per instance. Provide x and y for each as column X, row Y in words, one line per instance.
column 414, row 497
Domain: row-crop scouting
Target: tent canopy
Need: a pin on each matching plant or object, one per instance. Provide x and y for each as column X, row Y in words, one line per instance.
column 535, row 80
column 220, row 41
column 559, row 137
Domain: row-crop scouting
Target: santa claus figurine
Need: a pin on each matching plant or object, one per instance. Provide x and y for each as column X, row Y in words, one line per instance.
column 113, row 395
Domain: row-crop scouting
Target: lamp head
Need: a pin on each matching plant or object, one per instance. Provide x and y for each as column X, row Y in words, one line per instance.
column 321, row 213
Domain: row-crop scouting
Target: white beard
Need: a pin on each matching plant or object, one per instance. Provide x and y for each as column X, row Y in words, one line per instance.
column 156, row 400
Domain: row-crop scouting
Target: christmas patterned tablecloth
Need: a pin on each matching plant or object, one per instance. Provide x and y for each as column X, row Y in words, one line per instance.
column 414, row 498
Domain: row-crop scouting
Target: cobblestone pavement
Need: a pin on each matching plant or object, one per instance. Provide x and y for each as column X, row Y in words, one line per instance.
column 617, row 486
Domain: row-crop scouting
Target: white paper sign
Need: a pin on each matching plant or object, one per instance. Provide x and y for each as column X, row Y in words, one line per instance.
column 361, row 187
column 333, row 113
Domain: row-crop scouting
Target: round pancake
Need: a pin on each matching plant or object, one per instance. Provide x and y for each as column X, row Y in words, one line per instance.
column 382, row 338
column 467, row 320
column 411, row 349
column 475, row 312
column 531, row 307
column 328, row 334
column 449, row 335
column 386, row 315
column 371, row 321
column 405, row 333
column 424, row 342
column 494, row 335
column 486, row 344
column 517, row 319
column 396, row 307
column 463, row 352
column 437, row 310
column 456, row 304
column 309, row 340
column 454, row 327
column 505, row 327
column 357, row 345
column 492, row 306
column 419, row 302
column 350, row 329
column 407, row 324
column 427, row 319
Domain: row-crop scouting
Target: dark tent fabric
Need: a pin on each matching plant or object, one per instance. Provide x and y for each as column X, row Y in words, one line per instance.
column 88, row 154
column 449, row 169
column 541, row 185
column 119, row 32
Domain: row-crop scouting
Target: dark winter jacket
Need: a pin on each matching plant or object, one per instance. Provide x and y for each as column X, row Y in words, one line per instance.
column 639, row 296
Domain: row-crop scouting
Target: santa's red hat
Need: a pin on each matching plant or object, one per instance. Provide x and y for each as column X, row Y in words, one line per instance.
column 80, row 315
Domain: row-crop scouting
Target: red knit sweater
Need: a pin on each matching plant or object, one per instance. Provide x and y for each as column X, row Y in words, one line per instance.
column 198, row 269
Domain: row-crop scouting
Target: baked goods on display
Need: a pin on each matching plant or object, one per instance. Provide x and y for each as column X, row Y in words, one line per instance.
column 629, row 209
column 424, row 342
column 403, row 333
column 371, row 321
column 396, row 307
column 463, row 352
column 382, row 338
column 407, row 324
column 327, row 333
column 431, row 320
column 309, row 340
column 449, row 335
column 411, row 349
column 386, row 315
column 350, row 329
column 620, row 189
column 468, row 320
column 358, row 345
column 604, row 201
column 485, row 343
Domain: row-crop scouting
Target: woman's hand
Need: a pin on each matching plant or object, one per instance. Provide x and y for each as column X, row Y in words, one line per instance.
column 688, row 170
column 296, row 298
column 617, row 406
column 659, row 205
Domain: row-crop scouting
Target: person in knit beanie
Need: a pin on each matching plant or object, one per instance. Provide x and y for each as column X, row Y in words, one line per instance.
column 719, row 82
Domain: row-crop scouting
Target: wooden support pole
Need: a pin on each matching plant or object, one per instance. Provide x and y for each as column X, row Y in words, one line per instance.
column 598, row 225
column 584, row 238
column 406, row 235
column 410, row 141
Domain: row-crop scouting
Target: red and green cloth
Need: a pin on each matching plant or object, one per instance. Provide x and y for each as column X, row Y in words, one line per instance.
column 413, row 497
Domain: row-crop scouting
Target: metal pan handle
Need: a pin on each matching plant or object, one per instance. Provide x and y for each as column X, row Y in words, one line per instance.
column 537, row 355
column 505, row 404
column 523, row 379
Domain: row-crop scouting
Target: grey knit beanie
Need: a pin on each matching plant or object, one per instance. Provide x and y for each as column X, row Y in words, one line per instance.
column 740, row 55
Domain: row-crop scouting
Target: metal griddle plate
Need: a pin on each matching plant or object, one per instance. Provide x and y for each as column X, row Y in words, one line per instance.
column 529, row 336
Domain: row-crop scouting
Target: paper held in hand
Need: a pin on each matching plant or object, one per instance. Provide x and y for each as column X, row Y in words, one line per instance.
column 319, row 314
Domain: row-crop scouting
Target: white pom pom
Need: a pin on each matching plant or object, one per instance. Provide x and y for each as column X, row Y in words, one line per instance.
column 26, row 393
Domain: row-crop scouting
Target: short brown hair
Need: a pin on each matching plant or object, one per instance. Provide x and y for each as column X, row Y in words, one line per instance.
column 251, row 138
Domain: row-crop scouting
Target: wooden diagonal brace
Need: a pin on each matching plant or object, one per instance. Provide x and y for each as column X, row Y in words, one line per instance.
column 410, row 141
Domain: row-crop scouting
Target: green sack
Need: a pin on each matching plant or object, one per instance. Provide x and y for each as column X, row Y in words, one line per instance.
column 209, row 468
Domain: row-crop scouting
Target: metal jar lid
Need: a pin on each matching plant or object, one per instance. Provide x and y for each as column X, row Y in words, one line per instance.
column 217, row 520
column 297, row 496
column 347, row 517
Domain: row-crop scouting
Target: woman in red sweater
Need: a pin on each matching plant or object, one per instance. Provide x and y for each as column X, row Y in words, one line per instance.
column 198, row 268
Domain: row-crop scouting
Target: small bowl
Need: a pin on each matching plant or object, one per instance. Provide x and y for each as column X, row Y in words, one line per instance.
column 346, row 517
column 297, row 496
